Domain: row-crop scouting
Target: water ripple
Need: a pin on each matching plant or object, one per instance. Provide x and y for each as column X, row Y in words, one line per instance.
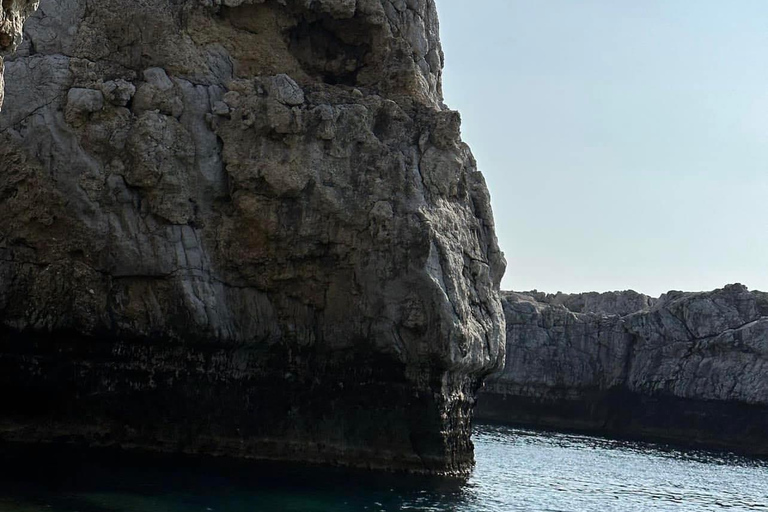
column 517, row 470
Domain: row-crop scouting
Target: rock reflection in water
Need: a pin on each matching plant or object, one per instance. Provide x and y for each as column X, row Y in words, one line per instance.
column 516, row 470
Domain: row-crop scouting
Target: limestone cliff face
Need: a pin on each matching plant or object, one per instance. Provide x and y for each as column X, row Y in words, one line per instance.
column 611, row 303
column 12, row 16
column 688, row 366
column 245, row 228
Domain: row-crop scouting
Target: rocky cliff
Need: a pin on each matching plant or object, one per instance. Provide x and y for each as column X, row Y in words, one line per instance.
column 243, row 227
column 687, row 367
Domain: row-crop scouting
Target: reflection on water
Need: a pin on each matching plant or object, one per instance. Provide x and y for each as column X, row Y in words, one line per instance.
column 545, row 471
column 516, row 470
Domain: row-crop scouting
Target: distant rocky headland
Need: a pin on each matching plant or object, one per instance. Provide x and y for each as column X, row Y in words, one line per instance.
column 686, row 367
column 245, row 228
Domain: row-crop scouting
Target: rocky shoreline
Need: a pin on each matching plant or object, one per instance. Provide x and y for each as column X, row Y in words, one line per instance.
column 250, row 228
column 689, row 368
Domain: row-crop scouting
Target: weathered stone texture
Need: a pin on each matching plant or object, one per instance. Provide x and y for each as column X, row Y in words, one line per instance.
column 686, row 366
column 12, row 16
column 255, row 219
column 611, row 303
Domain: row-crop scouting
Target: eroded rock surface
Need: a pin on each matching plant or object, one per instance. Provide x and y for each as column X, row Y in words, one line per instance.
column 12, row 16
column 611, row 303
column 246, row 228
column 689, row 367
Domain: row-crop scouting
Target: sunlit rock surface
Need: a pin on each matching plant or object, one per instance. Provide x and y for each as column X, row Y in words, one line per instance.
column 689, row 367
column 246, row 228
column 12, row 16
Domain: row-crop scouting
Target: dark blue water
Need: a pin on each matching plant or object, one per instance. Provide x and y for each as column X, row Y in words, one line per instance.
column 516, row 470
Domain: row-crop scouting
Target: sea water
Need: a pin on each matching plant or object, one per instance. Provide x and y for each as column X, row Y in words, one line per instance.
column 516, row 469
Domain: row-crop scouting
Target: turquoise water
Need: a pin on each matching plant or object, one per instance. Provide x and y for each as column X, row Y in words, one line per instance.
column 516, row 470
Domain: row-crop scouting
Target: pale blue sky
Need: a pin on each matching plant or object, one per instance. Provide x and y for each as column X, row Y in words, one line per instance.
column 625, row 142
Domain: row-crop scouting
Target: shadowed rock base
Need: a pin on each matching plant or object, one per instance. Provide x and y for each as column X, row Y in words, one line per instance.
column 730, row 426
column 349, row 409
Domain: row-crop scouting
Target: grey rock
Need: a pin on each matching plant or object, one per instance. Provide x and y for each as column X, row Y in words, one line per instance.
column 284, row 89
column 689, row 367
column 118, row 92
column 219, row 236
column 220, row 108
column 12, row 16
column 81, row 103
column 611, row 303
